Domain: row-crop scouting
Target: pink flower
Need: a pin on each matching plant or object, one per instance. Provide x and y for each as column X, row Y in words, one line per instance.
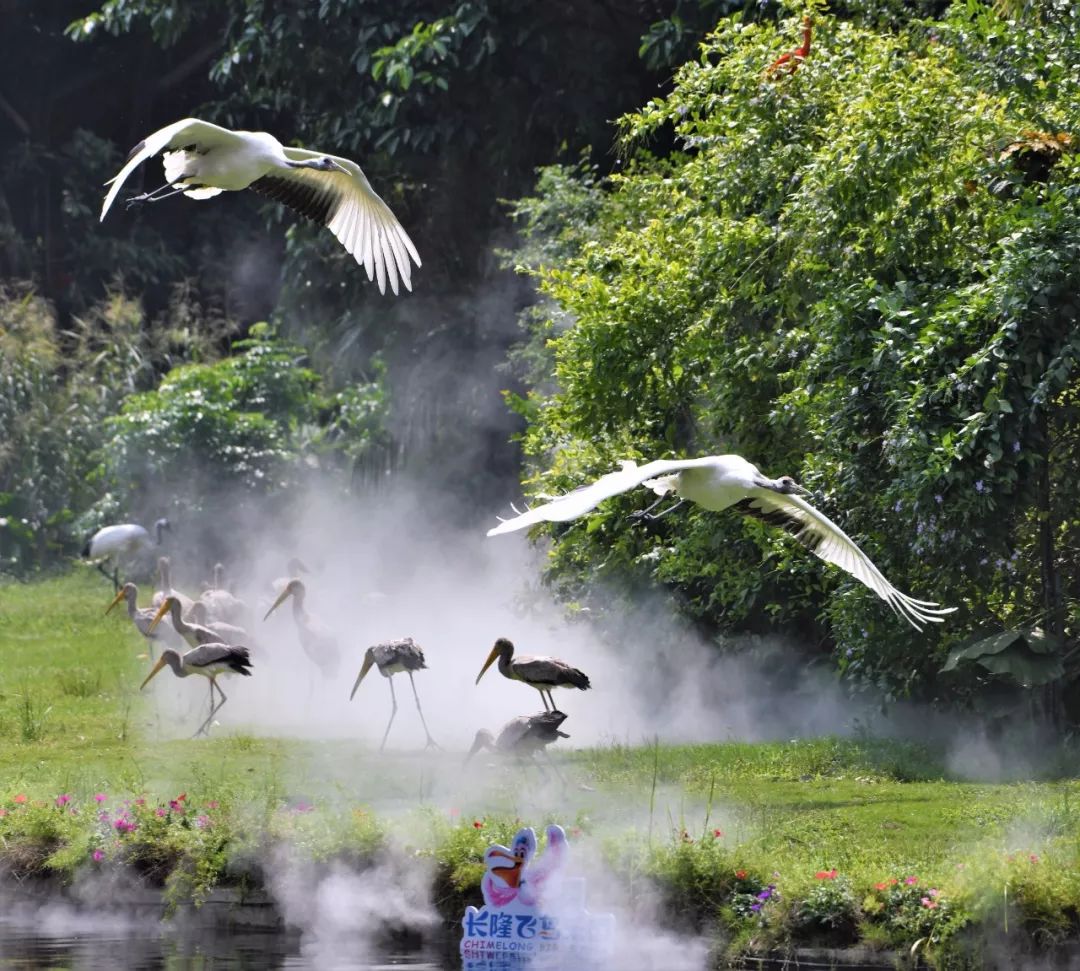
column 98, row 856
column 160, row 811
column 212, row 804
column 124, row 825
column 20, row 798
column 63, row 800
column 3, row 812
column 100, row 797
column 929, row 904
column 911, row 881
column 1034, row 858
column 203, row 822
column 934, row 893
column 140, row 802
column 718, row 834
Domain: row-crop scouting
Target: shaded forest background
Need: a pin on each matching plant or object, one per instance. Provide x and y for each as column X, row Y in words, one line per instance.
column 637, row 243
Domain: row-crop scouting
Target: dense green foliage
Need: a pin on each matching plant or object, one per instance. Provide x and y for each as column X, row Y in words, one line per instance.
column 862, row 273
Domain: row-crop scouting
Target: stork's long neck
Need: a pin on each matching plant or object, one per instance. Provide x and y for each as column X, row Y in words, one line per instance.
column 505, row 657
column 129, row 598
column 179, row 625
column 172, row 658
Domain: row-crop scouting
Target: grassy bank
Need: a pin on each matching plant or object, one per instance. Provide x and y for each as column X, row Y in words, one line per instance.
column 766, row 846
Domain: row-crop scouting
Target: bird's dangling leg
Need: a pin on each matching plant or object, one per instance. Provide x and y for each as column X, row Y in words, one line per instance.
column 431, row 743
column 393, row 712
column 543, row 698
column 647, row 513
column 154, row 197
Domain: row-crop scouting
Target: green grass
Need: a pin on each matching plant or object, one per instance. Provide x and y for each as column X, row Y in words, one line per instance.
column 685, row 819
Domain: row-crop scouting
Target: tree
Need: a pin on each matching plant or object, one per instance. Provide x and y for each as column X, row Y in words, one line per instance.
column 862, row 274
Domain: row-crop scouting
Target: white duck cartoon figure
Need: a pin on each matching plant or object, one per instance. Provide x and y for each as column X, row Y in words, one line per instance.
column 509, row 875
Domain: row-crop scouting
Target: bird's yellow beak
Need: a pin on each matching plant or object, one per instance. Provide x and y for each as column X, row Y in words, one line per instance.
column 277, row 603
column 360, row 677
column 116, row 600
column 154, row 670
column 162, row 611
column 487, row 664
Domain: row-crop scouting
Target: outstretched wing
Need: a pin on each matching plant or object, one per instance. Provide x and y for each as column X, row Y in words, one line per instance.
column 352, row 210
column 188, row 133
column 580, row 501
column 825, row 539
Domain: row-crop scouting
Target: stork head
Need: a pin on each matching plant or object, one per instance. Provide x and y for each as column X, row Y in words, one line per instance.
column 327, row 164
column 127, row 590
column 162, row 526
column 294, row 588
column 369, row 660
column 484, row 739
column 502, row 647
column 168, row 656
column 787, row 485
column 166, row 605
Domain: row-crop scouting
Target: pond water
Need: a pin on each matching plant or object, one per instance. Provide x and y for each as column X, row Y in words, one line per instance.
column 83, row 948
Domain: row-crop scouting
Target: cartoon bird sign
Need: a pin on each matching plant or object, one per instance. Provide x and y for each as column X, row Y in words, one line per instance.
column 529, row 909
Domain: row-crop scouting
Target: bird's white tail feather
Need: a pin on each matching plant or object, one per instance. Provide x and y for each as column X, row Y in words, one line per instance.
column 662, row 484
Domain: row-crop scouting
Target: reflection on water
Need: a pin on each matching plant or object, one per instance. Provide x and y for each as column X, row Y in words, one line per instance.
column 114, row 945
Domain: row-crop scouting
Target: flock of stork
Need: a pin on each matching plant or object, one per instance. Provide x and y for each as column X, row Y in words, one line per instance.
column 201, row 160
column 207, row 638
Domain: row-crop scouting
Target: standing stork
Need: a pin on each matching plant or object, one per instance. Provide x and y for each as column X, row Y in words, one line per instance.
column 208, row 660
column 220, row 603
column 166, row 589
column 317, row 640
column 541, row 673
column 202, row 160
column 719, row 481
column 195, row 634
column 390, row 658
column 523, row 737
column 126, row 539
column 226, row 633
column 141, row 617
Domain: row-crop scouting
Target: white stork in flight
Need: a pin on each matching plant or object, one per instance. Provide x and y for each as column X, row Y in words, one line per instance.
column 202, row 160
column 719, row 481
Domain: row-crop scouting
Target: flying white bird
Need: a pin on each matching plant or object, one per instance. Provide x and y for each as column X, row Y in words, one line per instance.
column 719, row 481
column 202, row 160
column 125, row 539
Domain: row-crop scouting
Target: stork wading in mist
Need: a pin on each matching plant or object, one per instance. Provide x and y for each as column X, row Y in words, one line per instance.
column 166, row 589
column 523, row 737
column 393, row 657
column 541, row 673
column 210, row 661
column 123, row 540
column 202, row 160
column 716, row 482
column 221, row 604
column 226, row 633
column 316, row 639
column 195, row 634
column 141, row 617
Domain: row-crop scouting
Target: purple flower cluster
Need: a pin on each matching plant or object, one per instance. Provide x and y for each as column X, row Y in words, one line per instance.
column 767, row 894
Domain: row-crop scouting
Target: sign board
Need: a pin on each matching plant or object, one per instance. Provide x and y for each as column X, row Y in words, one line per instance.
column 530, row 911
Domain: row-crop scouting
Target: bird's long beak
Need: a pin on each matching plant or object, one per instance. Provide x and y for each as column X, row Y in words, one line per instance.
column 277, row 603
column 154, row 670
column 116, row 600
column 360, row 677
column 800, row 490
column 487, row 664
column 162, row 611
